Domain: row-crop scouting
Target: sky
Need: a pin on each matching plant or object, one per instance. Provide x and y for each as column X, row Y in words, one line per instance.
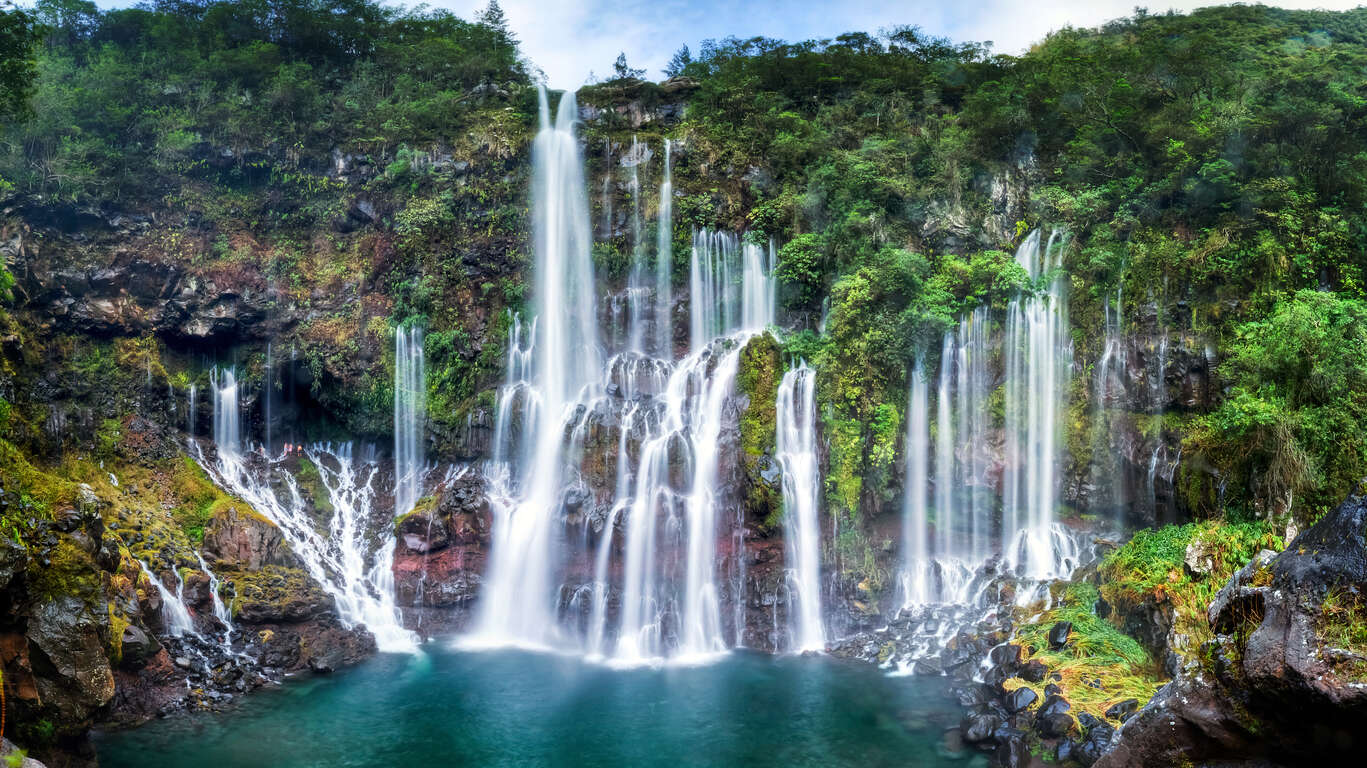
column 569, row 39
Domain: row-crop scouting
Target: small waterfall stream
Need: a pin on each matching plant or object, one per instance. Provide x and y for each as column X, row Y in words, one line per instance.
column 351, row 557
column 410, row 411
column 796, row 447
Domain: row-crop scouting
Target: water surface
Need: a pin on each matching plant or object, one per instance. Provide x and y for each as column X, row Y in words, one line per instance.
column 515, row 708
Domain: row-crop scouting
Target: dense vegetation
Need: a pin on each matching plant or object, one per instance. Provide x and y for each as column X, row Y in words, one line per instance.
column 1212, row 164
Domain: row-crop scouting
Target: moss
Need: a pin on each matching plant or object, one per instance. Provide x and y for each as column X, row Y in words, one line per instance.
column 1342, row 625
column 69, row 571
column 424, row 506
column 311, row 482
column 758, row 378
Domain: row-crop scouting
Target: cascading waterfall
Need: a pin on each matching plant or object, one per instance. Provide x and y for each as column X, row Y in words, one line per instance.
column 1038, row 359
column 917, row 570
column 641, row 579
column 730, row 286
column 943, row 559
column 174, row 614
column 516, row 603
column 796, row 451
column 221, row 611
column 664, row 259
column 336, row 557
column 410, row 411
column 1108, row 392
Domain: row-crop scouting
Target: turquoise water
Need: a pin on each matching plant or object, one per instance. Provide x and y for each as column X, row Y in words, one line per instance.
column 512, row 708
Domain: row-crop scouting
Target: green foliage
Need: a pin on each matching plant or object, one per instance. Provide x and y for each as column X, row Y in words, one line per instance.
column 1289, row 432
column 18, row 34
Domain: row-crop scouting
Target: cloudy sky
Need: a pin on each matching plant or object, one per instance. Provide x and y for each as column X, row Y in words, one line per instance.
column 568, row 39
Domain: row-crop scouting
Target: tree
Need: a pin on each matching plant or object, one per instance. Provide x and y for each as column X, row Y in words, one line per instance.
column 18, row 69
column 492, row 16
column 624, row 71
column 676, row 66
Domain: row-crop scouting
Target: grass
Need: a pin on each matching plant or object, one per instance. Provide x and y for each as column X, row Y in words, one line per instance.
column 1100, row 666
column 1151, row 567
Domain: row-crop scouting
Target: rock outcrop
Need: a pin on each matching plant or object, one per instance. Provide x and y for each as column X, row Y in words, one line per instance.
column 1285, row 679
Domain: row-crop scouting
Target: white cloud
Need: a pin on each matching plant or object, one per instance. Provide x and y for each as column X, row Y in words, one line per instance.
column 567, row 40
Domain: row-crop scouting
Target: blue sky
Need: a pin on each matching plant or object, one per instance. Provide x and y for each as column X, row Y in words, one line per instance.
column 569, row 39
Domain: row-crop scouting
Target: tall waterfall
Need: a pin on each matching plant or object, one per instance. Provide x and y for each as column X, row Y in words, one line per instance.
column 917, row 574
column 796, row 449
column 410, row 411
column 516, row 602
column 351, row 554
column 1038, row 359
column 620, row 559
column 664, row 261
column 1028, row 357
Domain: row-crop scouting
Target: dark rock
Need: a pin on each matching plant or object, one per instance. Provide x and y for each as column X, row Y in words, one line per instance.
column 1013, row 753
column 1123, row 710
column 1053, row 725
column 237, row 535
column 1020, row 699
column 137, row 647
column 1052, row 690
column 979, row 727
column 1058, row 634
column 1033, row 671
column 1054, row 704
column 1008, row 657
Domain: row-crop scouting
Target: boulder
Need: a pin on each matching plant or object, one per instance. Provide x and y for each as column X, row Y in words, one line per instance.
column 1058, row 634
column 238, row 536
column 1020, row 700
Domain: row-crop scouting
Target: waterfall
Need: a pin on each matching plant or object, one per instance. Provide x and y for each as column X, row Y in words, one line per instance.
column 619, row 560
column 516, row 602
column 916, row 569
column 637, row 291
column 410, row 412
column 796, row 450
column 731, row 286
column 221, row 611
column 193, row 409
column 174, row 614
column 1038, row 358
column 335, row 556
column 664, row 258
column 1108, row 392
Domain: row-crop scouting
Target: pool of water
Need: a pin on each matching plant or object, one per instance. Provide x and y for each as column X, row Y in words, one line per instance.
column 515, row 708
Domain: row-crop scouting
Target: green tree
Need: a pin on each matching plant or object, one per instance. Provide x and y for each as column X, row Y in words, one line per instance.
column 18, row 35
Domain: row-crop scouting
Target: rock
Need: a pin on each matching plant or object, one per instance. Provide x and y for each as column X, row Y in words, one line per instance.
column 1054, row 704
column 1058, row 634
column 1008, row 657
column 1052, row 690
column 238, row 536
column 979, row 727
column 1013, row 753
column 1277, row 686
column 1033, row 671
column 1200, row 557
column 67, row 633
column 1053, row 725
column 1020, row 700
column 137, row 647
column 1122, row 710
column 326, row 662
column 183, row 662
column 9, row 755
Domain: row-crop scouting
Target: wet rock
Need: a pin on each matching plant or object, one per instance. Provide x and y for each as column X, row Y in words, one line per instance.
column 1058, row 634
column 1122, row 710
column 1020, row 700
column 1033, row 671
column 1053, row 725
column 1008, row 657
column 65, row 634
column 137, row 647
column 1013, row 753
column 979, row 726
column 9, row 755
column 1054, row 704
